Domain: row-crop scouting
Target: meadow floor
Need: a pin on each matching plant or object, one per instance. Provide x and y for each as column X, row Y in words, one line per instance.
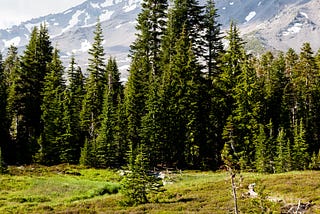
column 72, row 189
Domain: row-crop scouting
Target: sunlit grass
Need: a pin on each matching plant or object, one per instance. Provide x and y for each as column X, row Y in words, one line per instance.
column 72, row 189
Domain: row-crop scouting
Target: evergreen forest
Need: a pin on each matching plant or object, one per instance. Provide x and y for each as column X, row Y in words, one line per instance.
column 194, row 99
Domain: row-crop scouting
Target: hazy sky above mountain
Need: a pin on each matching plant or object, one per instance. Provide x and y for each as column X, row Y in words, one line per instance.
column 15, row 11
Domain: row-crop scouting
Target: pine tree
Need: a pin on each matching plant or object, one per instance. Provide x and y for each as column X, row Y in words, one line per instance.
column 211, row 118
column 306, row 78
column 300, row 156
column 245, row 112
column 51, row 144
column 95, row 86
column 73, row 96
column 238, row 83
column 187, row 16
column 11, row 68
column 151, row 26
column 213, row 39
column 152, row 126
column 139, row 184
column 108, row 149
column 231, row 69
column 283, row 157
column 25, row 96
column 4, row 126
column 264, row 150
column 145, row 56
column 315, row 161
column 180, row 94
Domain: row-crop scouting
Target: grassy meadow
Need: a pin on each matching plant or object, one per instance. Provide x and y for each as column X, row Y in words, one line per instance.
column 72, row 189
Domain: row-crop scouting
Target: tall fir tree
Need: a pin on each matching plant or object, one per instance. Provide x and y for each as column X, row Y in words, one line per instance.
column 230, row 84
column 283, row 159
column 151, row 26
column 180, row 94
column 306, row 78
column 187, row 15
column 11, row 69
column 300, row 156
column 4, row 126
column 73, row 96
column 212, row 39
column 93, row 99
column 145, row 56
column 211, row 118
column 265, row 149
column 108, row 150
column 25, row 96
column 50, row 140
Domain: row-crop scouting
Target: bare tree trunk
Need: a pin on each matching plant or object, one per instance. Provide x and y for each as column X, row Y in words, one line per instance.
column 234, row 191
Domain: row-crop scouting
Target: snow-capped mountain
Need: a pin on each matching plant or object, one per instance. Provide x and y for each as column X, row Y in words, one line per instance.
column 271, row 24
column 72, row 30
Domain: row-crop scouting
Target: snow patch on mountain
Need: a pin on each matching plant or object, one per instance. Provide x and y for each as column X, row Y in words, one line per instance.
column 85, row 46
column 95, row 5
column 296, row 28
column 132, row 4
column 106, row 15
column 107, row 3
column 304, row 14
column 74, row 20
column 250, row 16
column 67, row 11
column 15, row 41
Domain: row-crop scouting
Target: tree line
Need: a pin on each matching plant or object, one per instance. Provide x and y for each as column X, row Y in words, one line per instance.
column 190, row 101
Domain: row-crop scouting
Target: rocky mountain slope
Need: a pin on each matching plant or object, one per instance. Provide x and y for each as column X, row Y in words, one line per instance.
column 266, row 24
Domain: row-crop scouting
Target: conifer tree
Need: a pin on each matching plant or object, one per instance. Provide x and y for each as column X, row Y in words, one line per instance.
column 108, row 149
column 213, row 47
column 315, row 161
column 93, row 99
column 95, row 85
column 283, row 153
column 153, row 123
column 306, row 78
column 212, row 39
column 11, row 68
column 73, row 96
column 187, row 15
column 264, row 150
column 238, row 83
column 145, row 64
column 138, row 185
column 25, row 96
column 150, row 27
column 180, row 94
column 4, row 125
column 51, row 141
column 231, row 69
column 300, row 156
column 245, row 111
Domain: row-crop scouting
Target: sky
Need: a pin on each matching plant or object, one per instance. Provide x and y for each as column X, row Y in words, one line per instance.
column 13, row 12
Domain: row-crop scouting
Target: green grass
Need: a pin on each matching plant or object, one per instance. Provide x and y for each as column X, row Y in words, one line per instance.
column 72, row 189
